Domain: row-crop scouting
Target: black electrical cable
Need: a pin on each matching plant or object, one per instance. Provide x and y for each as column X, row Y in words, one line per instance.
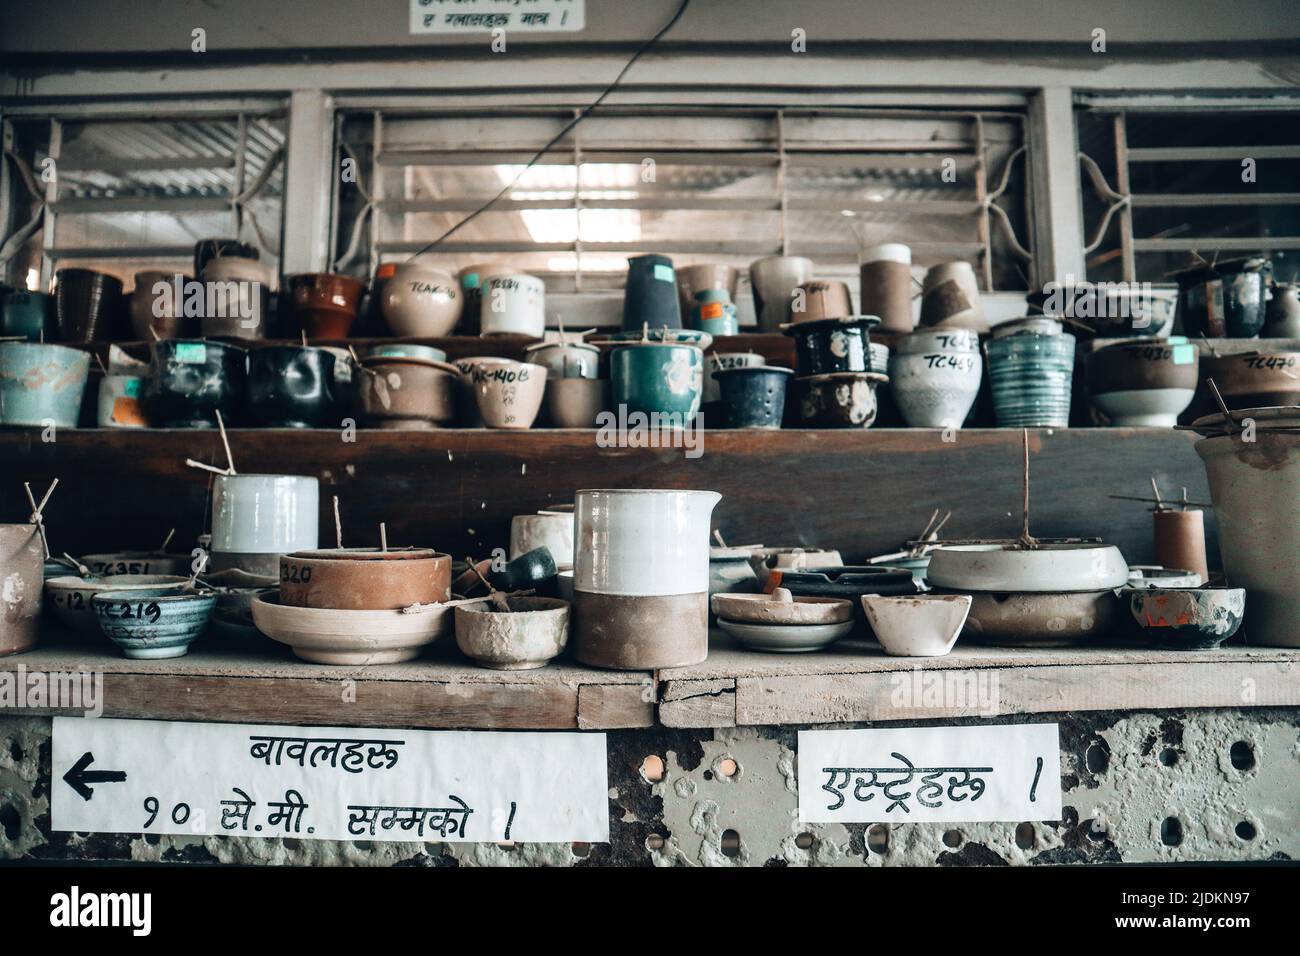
column 583, row 114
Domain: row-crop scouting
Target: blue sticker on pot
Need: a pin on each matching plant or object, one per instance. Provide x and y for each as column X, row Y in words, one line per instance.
column 195, row 353
column 1184, row 354
column 664, row 273
column 470, row 281
column 131, row 388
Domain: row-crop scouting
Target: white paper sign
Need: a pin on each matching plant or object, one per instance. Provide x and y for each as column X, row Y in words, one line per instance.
column 1006, row 773
column 328, row 783
column 513, row 16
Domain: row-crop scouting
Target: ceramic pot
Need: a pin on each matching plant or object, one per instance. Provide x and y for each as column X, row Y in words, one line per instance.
column 1051, row 568
column 566, row 360
column 641, row 577
column 292, row 387
column 650, row 296
column 190, row 380
column 30, row 315
column 1282, row 313
column 1108, row 310
column 716, row 361
column 925, row 341
column 153, row 624
column 532, row 569
column 327, row 636
column 509, row 396
column 819, row 299
column 264, row 514
column 513, row 303
column 205, row 250
column 1031, row 372
column 919, row 625
column 529, row 635
column 1145, row 383
column 706, row 276
column 833, row 345
column 713, row 312
column 237, row 294
column 406, row 350
column 41, row 383
column 935, row 389
column 136, row 562
column 406, row 393
column 753, row 397
column 471, row 285
column 554, row 532
column 88, row 306
column 1224, row 299
column 575, row 402
column 651, row 377
column 885, row 287
column 1255, row 379
column 1191, row 618
column 22, row 574
column 467, row 413
column 158, row 306
column 950, row 298
column 119, row 402
column 1254, row 486
column 1042, row 620
column 421, row 301
column 326, row 304
column 838, row 400
column 773, row 281
column 69, row 597
column 364, row 579
column 731, row 573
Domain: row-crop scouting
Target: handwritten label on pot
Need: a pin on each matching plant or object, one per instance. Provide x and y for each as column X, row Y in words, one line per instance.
column 478, row 16
column 328, row 783
column 930, row 775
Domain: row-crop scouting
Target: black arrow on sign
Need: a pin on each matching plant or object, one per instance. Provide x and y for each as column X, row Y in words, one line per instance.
column 79, row 776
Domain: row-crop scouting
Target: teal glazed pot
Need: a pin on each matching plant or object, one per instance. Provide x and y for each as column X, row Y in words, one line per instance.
column 1031, row 371
column 29, row 314
column 657, row 377
column 714, row 312
column 41, row 383
column 650, row 296
column 153, row 624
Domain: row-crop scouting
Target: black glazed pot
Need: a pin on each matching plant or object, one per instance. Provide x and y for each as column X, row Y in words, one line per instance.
column 89, row 306
column 753, row 396
column 531, row 569
column 192, row 379
column 290, row 386
column 833, row 345
column 650, row 296
column 1225, row 299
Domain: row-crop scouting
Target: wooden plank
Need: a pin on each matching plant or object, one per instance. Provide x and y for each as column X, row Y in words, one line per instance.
column 698, row 703
column 615, row 706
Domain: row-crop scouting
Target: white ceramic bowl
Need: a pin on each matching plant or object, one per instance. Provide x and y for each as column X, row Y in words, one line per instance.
column 917, row 625
column 350, row 637
column 1053, row 568
column 935, row 389
column 68, row 596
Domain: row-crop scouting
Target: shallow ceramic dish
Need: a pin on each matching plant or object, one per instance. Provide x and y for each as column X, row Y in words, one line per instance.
column 1042, row 620
column 781, row 607
column 1052, row 568
column 786, row 638
column 1191, row 618
column 153, row 623
column 364, row 579
column 350, row 637
column 69, row 597
column 919, row 625
column 535, row 630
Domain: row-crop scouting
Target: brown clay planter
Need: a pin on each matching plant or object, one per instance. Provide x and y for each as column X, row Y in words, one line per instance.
column 420, row 393
column 363, row 579
column 1133, row 366
column 326, row 304
column 1255, row 379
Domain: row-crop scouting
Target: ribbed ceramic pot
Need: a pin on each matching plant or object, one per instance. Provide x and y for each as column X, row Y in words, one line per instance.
column 153, row 625
column 650, row 296
column 513, row 303
column 191, row 379
column 28, row 314
column 119, row 402
column 753, row 396
column 264, row 514
column 88, row 305
column 1031, row 372
column 658, row 377
column 641, row 577
column 935, row 389
column 714, row 312
column 22, row 576
column 1255, row 486
column 290, row 386
column 41, row 383
column 833, row 345
column 773, row 281
column 364, row 579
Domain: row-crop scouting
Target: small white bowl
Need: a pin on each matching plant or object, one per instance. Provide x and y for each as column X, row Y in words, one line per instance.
column 917, row 625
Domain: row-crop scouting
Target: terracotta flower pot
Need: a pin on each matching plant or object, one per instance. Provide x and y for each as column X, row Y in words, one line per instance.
column 364, row 579
column 326, row 304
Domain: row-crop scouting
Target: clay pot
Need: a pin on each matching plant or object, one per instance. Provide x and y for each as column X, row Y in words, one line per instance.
column 41, row 383
column 69, row 597
column 421, row 301
column 753, row 397
column 1043, row 619
column 533, row 632
column 190, row 380
column 22, row 560
column 1145, row 383
column 292, row 387
column 119, row 403
column 329, row 636
column 1255, row 379
column 705, row 276
column 406, row 393
column 205, row 250
column 88, row 306
column 716, row 361
column 326, row 304
column 158, row 313
column 467, row 413
column 650, row 296
column 950, row 298
column 30, row 315
column 1031, row 373
column 935, row 389
column 1224, row 299
column 918, row 625
column 509, row 396
column 364, row 579
column 833, row 345
column 773, row 281
column 554, row 532
column 713, row 312
column 838, row 400
column 575, row 402
column 820, row 299
column 513, row 303
column 661, row 377
column 566, row 359
column 471, row 285
column 237, row 294
column 885, row 288
column 1190, row 618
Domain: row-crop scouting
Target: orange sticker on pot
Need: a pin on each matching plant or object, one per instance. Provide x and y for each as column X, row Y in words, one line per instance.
column 711, row 310
column 127, row 411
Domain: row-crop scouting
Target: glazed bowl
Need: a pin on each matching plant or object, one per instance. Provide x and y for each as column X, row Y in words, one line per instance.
column 406, row 393
column 1052, row 568
column 291, row 386
column 158, row 312
column 153, row 624
column 918, row 625
column 41, row 383
column 753, row 396
column 467, row 413
column 1191, row 618
column 575, row 402
column 69, row 597
column 838, row 399
column 935, row 389
column 190, row 380
column 1255, row 379
column 509, row 396
column 773, row 281
column 513, row 303
column 1042, row 620
column 833, row 345
column 786, row 638
column 364, row 579
column 1144, row 383
column 421, row 301
column 661, row 377
column 328, row 636
column 533, row 632
column 325, row 304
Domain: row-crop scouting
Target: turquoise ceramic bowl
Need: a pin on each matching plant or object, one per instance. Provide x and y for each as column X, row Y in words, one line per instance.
column 153, row 624
column 41, row 384
column 657, row 377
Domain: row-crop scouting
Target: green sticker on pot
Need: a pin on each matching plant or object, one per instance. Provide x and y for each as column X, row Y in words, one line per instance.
column 131, row 388
column 195, row 353
column 1184, row 354
column 470, row 281
column 664, row 273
